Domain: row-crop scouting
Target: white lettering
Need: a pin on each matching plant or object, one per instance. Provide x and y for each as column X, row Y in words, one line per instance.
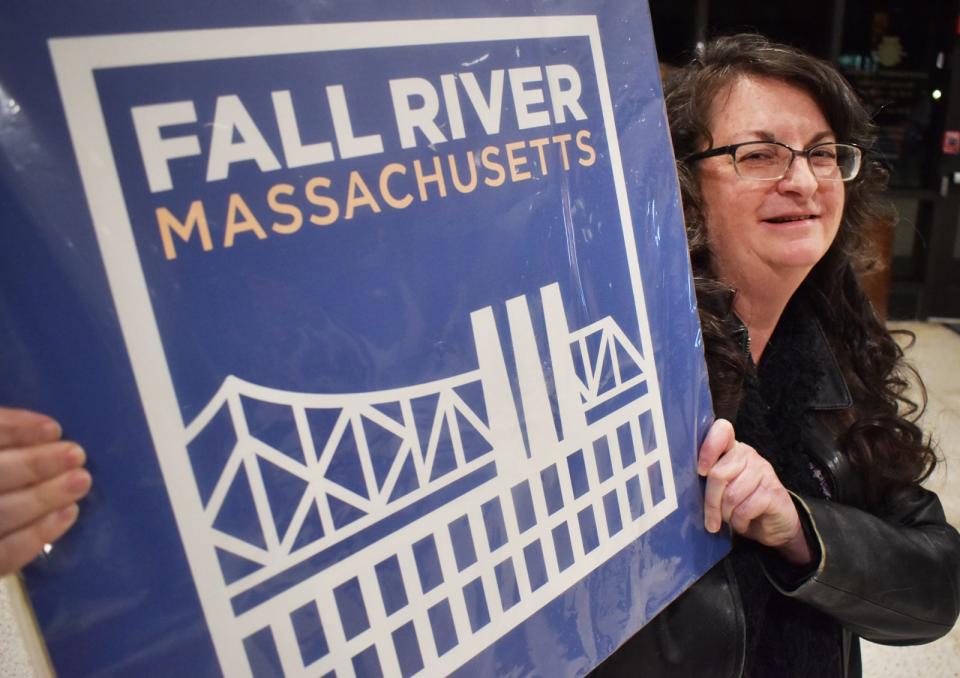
column 524, row 98
column 561, row 98
column 451, row 100
column 158, row 151
column 349, row 145
column 294, row 152
column 487, row 109
column 403, row 90
column 229, row 117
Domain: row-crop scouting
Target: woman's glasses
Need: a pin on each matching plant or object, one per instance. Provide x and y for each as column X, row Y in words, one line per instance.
column 771, row 160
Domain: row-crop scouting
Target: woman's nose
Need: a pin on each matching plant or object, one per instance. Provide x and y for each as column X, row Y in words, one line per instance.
column 799, row 177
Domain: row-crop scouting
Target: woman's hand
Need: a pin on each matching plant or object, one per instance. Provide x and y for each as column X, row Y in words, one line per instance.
column 41, row 480
column 744, row 491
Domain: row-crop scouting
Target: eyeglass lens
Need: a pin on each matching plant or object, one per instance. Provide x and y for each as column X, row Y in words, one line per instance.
column 763, row 160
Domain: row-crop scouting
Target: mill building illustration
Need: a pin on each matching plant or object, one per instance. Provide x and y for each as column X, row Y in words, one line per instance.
column 401, row 532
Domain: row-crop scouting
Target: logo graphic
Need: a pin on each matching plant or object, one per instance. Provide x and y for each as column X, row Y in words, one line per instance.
column 408, row 529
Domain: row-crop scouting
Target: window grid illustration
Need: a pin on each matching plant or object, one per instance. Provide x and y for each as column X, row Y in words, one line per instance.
column 400, row 532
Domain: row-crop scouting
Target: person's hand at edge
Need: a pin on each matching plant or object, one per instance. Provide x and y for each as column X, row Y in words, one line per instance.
column 41, row 481
column 744, row 491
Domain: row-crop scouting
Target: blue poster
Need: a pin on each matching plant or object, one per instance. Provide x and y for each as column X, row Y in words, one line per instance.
column 376, row 325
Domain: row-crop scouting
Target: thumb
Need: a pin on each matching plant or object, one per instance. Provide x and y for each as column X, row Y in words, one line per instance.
column 720, row 438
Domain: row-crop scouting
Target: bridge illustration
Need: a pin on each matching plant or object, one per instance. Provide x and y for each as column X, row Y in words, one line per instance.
column 401, row 532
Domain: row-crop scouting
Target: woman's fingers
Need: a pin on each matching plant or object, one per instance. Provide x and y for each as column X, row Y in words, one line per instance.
column 21, row 546
column 728, row 468
column 741, row 488
column 24, row 466
column 768, row 516
column 41, row 479
column 20, row 428
column 22, row 507
column 755, row 505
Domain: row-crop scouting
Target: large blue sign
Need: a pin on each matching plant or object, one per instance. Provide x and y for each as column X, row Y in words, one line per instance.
column 404, row 375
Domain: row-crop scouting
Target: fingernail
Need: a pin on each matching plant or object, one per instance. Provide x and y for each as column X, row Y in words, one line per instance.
column 50, row 429
column 78, row 481
column 75, row 455
column 68, row 514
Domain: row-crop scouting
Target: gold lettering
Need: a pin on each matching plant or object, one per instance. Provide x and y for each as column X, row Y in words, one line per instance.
column 539, row 144
column 435, row 178
column 590, row 155
column 455, row 174
column 388, row 197
column 562, row 139
column 296, row 216
column 236, row 206
column 196, row 219
column 515, row 162
column 493, row 166
column 365, row 197
column 325, row 201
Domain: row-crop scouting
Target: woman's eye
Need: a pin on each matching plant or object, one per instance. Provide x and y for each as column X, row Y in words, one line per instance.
column 757, row 156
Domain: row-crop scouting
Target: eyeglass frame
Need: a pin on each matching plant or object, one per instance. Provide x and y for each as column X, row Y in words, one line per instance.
column 731, row 150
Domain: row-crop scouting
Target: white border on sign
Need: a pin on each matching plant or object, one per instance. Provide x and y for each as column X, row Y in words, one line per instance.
column 76, row 59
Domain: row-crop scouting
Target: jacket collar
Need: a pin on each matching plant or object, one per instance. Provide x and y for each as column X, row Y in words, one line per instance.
column 830, row 391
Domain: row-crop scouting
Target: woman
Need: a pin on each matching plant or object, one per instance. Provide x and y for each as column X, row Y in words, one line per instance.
column 834, row 538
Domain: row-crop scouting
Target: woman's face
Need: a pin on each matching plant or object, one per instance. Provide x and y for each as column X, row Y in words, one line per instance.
column 757, row 228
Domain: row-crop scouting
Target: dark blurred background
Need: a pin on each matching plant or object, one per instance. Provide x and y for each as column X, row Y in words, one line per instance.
column 903, row 56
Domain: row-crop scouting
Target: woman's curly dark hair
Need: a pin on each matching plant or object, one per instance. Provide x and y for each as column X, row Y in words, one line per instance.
column 880, row 436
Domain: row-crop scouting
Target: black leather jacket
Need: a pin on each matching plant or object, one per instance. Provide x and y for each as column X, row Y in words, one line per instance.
column 891, row 577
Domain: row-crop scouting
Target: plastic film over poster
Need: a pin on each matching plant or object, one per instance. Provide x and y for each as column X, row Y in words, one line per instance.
column 381, row 291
